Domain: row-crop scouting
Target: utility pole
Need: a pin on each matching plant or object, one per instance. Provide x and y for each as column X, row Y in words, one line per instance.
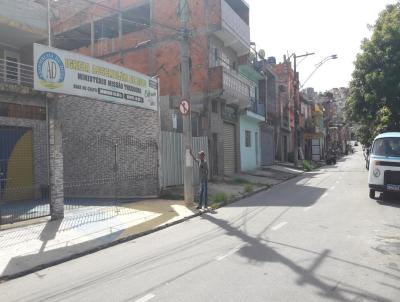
column 185, row 82
column 49, row 22
column 296, row 107
column 120, row 33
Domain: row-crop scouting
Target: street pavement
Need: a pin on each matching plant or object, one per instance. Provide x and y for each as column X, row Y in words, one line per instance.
column 317, row 237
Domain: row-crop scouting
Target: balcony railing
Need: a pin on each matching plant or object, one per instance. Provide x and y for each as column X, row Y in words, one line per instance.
column 17, row 73
column 257, row 107
column 235, row 84
column 234, row 31
column 231, row 86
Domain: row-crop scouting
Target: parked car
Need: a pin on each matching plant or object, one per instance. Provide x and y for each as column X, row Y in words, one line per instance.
column 384, row 164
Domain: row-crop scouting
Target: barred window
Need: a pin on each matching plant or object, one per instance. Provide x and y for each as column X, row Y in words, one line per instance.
column 248, row 138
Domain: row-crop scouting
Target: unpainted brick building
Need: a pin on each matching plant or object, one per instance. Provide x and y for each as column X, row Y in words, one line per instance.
column 144, row 35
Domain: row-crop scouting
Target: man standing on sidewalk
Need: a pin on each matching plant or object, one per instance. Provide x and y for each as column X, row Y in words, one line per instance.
column 203, row 176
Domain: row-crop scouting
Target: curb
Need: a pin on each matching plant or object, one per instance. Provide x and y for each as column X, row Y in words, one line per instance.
column 95, row 249
column 264, row 188
column 134, row 236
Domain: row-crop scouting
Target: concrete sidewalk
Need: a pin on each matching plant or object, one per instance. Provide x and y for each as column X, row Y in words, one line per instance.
column 91, row 227
column 84, row 229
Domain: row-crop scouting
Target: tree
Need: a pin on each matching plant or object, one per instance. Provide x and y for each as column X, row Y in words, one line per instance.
column 374, row 100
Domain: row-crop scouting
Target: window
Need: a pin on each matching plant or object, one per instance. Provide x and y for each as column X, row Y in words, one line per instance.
column 389, row 146
column 22, row 111
column 248, row 138
column 195, row 124
column 214, row 106
column 214, row 56
column 253, row 91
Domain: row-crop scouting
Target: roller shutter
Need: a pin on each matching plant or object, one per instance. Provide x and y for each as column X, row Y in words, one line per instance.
column 229, row 149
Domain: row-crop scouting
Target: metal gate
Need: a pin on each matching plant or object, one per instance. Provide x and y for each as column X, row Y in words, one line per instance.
column 229, row 149
column 267, row 147
column 172, row 152
column 109, row 168
column 23, row 173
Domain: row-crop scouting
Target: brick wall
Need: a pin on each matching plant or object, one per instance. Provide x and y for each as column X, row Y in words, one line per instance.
column 109, row 149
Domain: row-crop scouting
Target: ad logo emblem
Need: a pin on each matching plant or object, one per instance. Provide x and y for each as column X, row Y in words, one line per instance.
column 51, row 70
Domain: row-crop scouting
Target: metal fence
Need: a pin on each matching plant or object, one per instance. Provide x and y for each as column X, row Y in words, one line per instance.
column 97, row 171
column 24, row 190
column 172, row 157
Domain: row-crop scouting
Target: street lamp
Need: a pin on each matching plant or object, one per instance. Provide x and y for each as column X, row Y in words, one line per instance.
column 296, row 104
column 317, row 66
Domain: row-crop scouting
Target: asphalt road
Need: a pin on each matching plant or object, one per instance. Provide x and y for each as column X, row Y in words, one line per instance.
column 317, row 237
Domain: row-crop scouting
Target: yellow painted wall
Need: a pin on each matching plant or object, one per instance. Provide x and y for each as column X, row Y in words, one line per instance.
column 20, row 170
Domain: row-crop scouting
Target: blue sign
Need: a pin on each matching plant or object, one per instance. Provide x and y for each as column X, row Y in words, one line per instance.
column 51, row 70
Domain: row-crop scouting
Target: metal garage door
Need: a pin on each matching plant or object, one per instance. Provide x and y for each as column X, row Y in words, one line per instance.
column 267, row 147
column 229, row 149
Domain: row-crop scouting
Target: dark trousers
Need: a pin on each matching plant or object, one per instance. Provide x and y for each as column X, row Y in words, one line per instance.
column 203, row 193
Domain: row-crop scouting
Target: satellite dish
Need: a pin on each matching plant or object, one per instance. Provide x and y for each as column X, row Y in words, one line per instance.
column 261, row 53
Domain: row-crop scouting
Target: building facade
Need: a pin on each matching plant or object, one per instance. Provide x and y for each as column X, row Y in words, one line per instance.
column 143, row 35
column 285, row 103
column 29, row 160
column 252, row 119
column 54, row 146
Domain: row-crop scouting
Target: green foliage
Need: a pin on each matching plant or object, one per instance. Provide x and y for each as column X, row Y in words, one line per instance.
column 220, row 197
column 307, row 165
column 374, row 100
column 248, row 188
column 364, row 135
column 240, row 181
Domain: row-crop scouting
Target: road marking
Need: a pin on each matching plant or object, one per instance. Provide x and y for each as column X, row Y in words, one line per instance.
column 279, row 226
column 307, row 208
column 326, row 194
column 231, row 252
column 146, row 298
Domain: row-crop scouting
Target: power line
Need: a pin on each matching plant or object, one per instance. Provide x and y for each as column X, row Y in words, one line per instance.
column 120, row 11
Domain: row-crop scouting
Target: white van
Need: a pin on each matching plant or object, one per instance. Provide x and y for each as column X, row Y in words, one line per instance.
column 384, row 164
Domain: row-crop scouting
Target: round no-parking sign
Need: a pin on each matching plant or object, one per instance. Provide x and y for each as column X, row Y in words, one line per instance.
column 184, row 107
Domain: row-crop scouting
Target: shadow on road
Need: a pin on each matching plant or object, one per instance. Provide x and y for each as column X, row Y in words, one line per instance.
column 257, row 251
column 389, row 199
column 297, row 193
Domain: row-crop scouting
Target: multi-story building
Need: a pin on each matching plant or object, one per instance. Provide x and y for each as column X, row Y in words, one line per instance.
column 253, row 118
column 269, row 131
column 144, row 35
column 285, row 77
column 39, row 131
column 24, row 148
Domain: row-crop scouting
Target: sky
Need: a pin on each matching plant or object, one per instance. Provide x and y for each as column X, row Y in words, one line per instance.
column 325, row 27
